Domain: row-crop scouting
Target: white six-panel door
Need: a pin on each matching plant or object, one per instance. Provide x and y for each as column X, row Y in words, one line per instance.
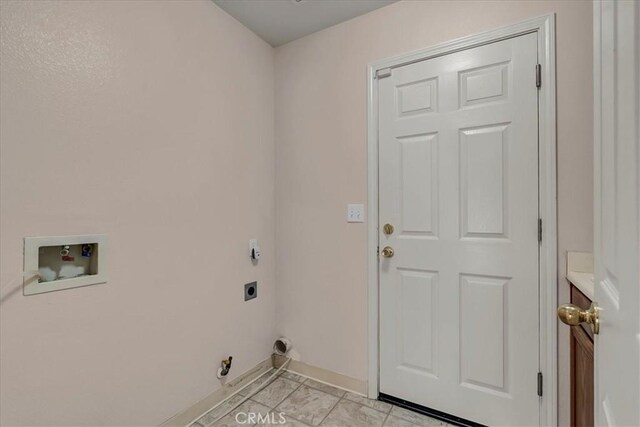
column 617, row 212
column 458, row 180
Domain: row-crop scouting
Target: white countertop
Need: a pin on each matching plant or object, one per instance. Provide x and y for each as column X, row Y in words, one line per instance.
column 583, row 281
column 580, row 272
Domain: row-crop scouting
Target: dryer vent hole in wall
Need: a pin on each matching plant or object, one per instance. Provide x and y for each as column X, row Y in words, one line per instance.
column 250, row 291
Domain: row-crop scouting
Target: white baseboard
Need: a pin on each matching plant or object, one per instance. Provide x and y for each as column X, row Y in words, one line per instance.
column 185, row 417
column 323, row 375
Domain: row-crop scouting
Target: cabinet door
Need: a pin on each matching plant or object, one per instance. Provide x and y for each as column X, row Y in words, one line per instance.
column 581, row 300
column 581, row 378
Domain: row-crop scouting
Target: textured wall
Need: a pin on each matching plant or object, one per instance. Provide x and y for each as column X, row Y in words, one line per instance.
column 321, row 143
column 151, row 122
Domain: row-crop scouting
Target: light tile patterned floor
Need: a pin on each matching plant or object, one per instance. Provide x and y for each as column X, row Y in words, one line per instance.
column 308, row 403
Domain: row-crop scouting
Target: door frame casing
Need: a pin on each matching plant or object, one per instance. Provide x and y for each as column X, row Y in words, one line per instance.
column 544, row 27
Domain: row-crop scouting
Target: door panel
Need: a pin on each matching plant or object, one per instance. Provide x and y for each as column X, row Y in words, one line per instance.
column 458, row 179
column 418, row 334
column 483, row 185
column 419, row 208
column 483, row 358
column 617, row 212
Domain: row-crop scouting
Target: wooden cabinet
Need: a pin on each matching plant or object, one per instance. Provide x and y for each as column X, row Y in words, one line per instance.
column 581, row 367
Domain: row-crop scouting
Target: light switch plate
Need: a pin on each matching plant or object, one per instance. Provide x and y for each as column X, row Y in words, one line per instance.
column 355, row 213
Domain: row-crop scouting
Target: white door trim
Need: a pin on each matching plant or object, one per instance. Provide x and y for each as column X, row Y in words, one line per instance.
column 544, row 26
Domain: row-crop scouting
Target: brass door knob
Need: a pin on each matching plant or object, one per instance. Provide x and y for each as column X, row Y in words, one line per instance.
column 388, row 229
column 573, row 315
column 387, row 252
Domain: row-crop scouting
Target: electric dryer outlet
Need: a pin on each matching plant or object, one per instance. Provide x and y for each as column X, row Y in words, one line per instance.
column 250, row 291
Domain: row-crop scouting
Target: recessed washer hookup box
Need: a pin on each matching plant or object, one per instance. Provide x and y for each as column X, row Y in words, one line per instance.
column 54, row 263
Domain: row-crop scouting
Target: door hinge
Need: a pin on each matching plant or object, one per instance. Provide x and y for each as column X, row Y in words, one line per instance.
column 540, row 384
column 385, row 72
column 539, row 229
column 538, row 76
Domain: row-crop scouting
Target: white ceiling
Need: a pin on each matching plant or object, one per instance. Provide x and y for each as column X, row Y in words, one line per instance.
column 281, row 21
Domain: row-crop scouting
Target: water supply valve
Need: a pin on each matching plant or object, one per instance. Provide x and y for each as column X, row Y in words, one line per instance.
column 224, row 368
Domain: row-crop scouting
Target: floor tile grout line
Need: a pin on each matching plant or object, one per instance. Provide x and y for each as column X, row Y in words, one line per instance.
column 287, row 396
column 252, row 398
column 340, row 398
column 388, row 411
column 332, row 408
column 317, row 389
column 246, row 398
column 312, row 388
column 300, row 384
column 385, row 413
column 306, row 423
column 239, row 393
column 343, row 397
column 402, row 417
column 305, row 379
column 299, row 420
column 386, row 418
column 263, row 404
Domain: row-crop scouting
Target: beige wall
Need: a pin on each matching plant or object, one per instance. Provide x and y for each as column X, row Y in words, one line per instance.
column 151, row 122
column 321, row 145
